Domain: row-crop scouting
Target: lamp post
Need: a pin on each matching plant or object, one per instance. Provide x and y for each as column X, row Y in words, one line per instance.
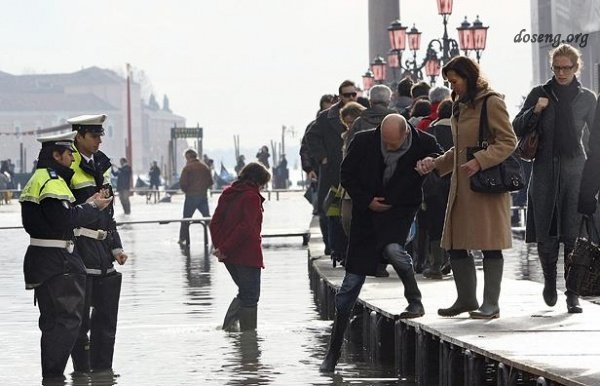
column 368, row 79
column 378, row 66
column 439, row 51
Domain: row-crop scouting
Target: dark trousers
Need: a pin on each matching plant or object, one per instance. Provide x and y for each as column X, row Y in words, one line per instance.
column 124, row 198
column 102, row 299
column 60, row 300
column 247, row 280
column 190, row 205
column 338, row 241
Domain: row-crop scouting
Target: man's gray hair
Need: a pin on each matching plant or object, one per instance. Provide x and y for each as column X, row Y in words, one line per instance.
column 438, row 94
column 380, row 94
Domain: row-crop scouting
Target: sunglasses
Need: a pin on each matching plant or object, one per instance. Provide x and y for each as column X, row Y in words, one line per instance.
column 349, row 94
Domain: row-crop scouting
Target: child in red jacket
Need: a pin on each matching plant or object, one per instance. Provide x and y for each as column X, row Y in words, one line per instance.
column 235, row 230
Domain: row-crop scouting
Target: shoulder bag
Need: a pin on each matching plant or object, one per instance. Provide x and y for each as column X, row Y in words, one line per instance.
column 507, row 176
column 528, row 144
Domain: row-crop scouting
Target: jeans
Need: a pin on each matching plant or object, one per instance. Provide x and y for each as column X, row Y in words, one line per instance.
column 248, row 281
column 348, row 293
column 191, row 203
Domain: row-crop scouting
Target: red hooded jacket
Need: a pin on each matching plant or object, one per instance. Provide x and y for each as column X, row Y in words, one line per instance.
column 236, row 225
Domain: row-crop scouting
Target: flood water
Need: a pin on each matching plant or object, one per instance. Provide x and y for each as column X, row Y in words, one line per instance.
column 172, row 306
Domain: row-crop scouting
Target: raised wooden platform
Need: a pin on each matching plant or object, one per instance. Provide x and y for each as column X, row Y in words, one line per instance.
column 530, row 343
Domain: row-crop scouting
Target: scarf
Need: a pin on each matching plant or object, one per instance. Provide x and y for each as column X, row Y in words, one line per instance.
column 566, row 141
column 390, row 158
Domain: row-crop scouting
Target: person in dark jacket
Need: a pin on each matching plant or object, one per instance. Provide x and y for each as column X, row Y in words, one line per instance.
column 195, row 181
column 560, row 110
column 154, row 175
column 263, row 156
column 123, row 175
column 590, row 179
column 235, row 230
column 379, row 174
column 324, row 140
column 99, row 245
column 51, row 266
column 435, row 193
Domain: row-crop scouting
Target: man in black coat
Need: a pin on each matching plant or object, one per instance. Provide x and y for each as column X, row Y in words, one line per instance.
column 379, row 174
column 590, row 179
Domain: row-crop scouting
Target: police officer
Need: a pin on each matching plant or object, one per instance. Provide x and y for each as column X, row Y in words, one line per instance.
column 51, row 267
column 99, row 245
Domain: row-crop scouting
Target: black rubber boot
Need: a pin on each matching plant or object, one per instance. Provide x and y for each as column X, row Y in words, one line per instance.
column 548, row 263
column 335, row 344
column 247, row 317
column 434, row 271
column 232, row 314
column 415, row 308
column 465, row 279
column 492, row 271
column 106, row 294
column 80, row 355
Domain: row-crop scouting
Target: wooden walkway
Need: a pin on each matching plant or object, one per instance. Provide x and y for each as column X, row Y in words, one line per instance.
column 530, row 343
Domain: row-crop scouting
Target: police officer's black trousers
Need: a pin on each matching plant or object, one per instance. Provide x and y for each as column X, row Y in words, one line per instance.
column 60, row 300
column 102, row 299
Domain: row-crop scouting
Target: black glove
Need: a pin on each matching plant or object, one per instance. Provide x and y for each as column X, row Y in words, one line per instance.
column 587, row 206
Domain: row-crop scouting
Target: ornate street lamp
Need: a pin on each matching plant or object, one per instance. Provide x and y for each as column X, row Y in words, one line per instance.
column 432, row 68
column 367, row 80
column 465, row 36
column 479, row 37
column 397, row 34
column 444, row 7
column 378, row 66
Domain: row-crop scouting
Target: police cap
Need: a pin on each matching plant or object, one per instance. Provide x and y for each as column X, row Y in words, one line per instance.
column 88, row 123
column 64, row 140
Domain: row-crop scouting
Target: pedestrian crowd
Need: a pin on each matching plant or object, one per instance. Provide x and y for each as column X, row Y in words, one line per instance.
column 410, row 160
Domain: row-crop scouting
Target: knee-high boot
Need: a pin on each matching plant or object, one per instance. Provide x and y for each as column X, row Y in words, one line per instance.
column 465, row 279
column 232, row 314
column 247, row 318
column 492, row 274
column 548, row 263
column 335, row 343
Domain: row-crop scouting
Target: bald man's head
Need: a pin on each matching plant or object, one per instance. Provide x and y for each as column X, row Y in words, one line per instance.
column 394, row 131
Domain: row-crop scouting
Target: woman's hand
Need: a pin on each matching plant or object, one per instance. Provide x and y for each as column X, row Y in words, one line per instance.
column 220, row 255
column 471, row 167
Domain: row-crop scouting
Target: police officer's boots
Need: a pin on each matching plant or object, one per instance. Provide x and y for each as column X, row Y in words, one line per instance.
column 465, row 279
column 492, row 273
column 80, row 355
column 412, row 294
column 335, row 343
column 548, row 263
column 247, row 317
column 106, row 293
column 232, row 314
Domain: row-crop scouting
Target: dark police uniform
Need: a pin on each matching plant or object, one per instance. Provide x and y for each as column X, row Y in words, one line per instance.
column 98, row 244
column 51, row 267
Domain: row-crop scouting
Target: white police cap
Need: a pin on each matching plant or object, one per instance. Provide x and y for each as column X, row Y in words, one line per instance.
column 61, row 140
column 88, row 123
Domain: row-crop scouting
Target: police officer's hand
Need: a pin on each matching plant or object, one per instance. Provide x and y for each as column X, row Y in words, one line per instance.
column 121, row 258
column 99, row 201
column 587, row 206
column 378, row 205
column 312, row 176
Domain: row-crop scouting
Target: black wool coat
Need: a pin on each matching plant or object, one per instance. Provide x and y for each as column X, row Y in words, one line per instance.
column 362, row 177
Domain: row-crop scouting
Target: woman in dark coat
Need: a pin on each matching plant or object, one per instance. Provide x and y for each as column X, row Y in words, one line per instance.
column 560, row 110
column 235, row 231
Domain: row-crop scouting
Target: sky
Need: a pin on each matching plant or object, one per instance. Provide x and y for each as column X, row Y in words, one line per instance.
column 243, row 67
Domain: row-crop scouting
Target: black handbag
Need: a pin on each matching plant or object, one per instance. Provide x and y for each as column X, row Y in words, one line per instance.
column 507, row 176
column 583, row 272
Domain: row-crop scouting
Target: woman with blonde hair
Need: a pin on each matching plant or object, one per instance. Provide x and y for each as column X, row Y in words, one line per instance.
column 559, row 110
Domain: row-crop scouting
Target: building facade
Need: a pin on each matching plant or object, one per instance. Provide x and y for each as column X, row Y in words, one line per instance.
column 574, row 21
column 30, row 103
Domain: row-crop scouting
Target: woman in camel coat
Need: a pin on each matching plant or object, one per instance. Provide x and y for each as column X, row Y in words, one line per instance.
column 479, row 221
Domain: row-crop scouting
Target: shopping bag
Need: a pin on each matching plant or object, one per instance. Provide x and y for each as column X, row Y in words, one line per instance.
column 583, row 272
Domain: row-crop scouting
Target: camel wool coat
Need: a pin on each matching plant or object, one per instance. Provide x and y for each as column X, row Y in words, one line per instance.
column 479, row 221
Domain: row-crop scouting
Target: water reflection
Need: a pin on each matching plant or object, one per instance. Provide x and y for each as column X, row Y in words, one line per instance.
column 247, row 365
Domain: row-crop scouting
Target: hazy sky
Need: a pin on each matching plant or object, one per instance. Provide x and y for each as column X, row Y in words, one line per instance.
column 242, row 66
